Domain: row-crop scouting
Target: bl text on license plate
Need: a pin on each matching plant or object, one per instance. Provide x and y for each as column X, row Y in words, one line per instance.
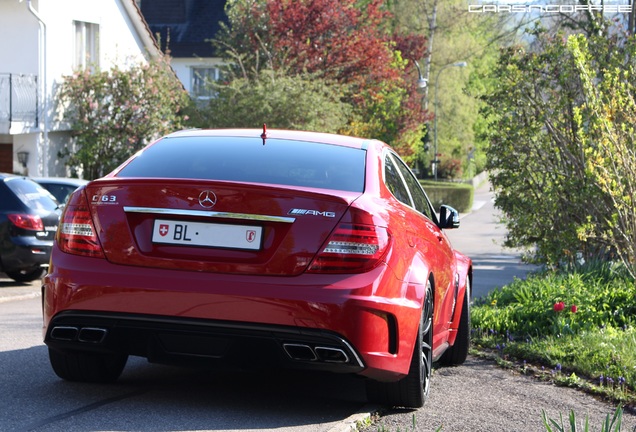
column 207, row 234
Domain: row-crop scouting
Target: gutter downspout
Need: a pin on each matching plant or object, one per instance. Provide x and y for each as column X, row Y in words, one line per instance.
column 43, row 167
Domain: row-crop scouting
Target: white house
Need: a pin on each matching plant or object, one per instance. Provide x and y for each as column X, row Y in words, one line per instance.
column 42, row 41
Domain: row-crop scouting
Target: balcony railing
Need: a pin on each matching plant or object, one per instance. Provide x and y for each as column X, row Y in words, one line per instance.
column 18, row 101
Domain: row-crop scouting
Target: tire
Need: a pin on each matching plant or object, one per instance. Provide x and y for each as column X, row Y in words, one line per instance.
column 457, row 354
column 412, row 390
column 83, row 366
column 26, row 275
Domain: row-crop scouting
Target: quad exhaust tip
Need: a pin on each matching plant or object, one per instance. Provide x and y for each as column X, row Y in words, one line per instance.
column 303, row 352
column 84, row 334
column 332, row 355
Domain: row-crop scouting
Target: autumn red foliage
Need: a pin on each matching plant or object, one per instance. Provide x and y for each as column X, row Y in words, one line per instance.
column 333, row 37
column 341, row 41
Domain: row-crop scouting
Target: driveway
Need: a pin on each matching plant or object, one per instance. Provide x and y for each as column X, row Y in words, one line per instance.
column 481, row 237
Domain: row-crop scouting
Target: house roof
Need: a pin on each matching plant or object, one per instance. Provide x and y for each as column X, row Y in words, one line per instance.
column 137, row 19
column 183, row 28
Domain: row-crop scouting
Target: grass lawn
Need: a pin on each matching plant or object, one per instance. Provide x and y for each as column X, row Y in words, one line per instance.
column 575, row 328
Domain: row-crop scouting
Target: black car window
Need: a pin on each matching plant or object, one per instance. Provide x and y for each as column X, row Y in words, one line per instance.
column 31, row 194
column 417, row 193
column 282, row 162
column 394, row 181
column 8, row 200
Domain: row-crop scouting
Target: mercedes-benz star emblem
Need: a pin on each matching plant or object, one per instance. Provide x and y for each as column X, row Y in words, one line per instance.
column 207, row 199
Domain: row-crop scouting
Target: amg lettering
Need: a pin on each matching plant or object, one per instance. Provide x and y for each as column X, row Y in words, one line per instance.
column 312, row 213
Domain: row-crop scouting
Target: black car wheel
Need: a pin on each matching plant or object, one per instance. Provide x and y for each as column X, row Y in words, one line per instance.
column 26, row 275
column 87, row 366
column 412, row 390
column 457, row 354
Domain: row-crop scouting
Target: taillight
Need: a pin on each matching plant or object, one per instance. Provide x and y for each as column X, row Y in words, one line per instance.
column 352, row 248
column 27, row 222
column 76, row 234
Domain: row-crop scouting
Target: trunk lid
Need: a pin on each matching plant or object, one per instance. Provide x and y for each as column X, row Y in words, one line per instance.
column 213, row 226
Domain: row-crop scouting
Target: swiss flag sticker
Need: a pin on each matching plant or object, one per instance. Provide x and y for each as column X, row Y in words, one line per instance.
column 163, row 230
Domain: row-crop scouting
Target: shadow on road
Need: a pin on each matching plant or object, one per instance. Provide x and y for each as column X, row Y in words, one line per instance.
column 151, row 397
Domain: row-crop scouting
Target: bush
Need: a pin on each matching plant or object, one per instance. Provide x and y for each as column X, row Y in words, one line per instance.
column 561, row 150
column 557, row 303
column 267, row 98
column 450, row 169
column 115, row 113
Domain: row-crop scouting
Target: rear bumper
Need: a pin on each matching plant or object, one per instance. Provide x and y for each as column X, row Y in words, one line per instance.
column 203, row 342
column 362, row 324
column 25, row 253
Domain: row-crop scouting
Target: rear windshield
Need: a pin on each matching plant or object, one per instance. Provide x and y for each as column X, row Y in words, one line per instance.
column 281, row 162
column 32, row 194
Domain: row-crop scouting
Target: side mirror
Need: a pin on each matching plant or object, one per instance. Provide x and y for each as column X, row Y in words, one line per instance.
column 448, row 217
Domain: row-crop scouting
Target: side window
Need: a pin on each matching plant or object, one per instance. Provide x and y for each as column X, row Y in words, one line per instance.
column 417, row 193
column 394, row 181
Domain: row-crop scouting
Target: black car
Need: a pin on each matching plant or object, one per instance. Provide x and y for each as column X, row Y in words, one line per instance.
column 29, row 216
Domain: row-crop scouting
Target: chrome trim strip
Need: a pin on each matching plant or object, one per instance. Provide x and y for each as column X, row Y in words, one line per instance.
column 209, row 214
column 355, row 354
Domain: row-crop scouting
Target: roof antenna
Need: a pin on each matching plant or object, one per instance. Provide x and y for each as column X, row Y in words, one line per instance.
column 264, row 134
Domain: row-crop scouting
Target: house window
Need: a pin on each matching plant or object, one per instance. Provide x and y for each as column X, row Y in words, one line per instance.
column 202, row 77
column 86, row 45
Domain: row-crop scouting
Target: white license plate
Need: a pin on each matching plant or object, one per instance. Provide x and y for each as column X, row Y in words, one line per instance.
column 207, row 234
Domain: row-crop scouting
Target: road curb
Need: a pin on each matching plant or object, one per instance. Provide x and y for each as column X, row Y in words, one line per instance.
column 350, row 424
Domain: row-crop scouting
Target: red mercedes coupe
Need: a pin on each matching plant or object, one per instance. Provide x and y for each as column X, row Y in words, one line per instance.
column 316, row 251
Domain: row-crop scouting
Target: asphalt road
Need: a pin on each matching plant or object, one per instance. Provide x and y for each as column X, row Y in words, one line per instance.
column 154, row 398
column 478, row 396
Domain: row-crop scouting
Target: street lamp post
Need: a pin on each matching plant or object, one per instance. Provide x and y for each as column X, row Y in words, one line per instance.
column 435, row 155
column 422, row 84
column 421, row 81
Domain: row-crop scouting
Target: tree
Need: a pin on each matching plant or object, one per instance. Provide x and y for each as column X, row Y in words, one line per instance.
column 115, row 113
column 562, row 151
column 606, row 127
column 534, row 155
column 343, row 42
column 334, row 38
column 454, row 34
column 285, row 102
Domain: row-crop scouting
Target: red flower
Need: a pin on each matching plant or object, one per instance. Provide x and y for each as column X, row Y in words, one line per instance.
column 559, row 306
column 574, row 309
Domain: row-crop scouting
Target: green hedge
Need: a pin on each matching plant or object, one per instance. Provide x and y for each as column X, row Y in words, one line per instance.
column 457, row 195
